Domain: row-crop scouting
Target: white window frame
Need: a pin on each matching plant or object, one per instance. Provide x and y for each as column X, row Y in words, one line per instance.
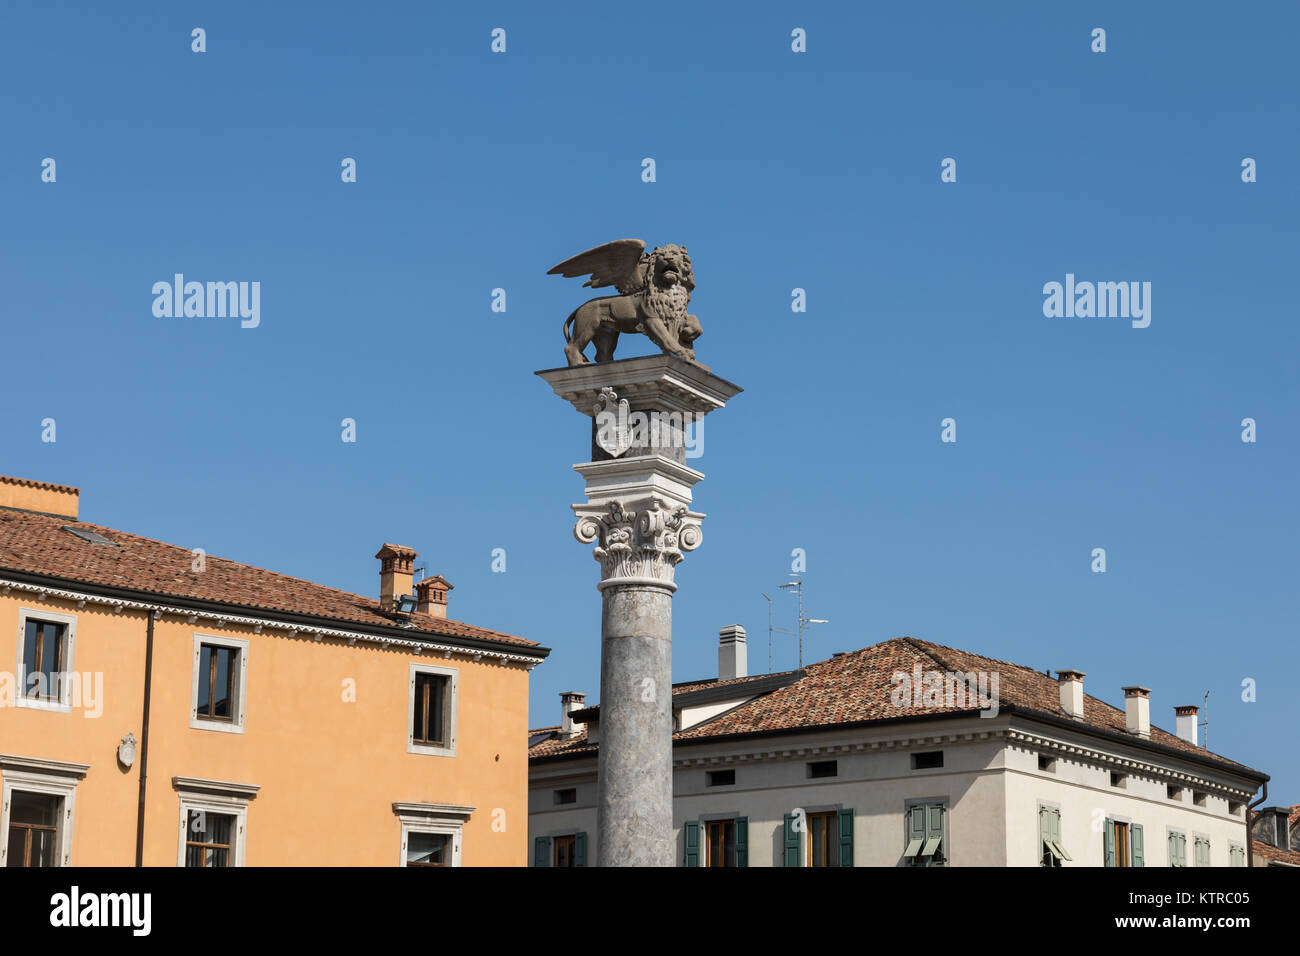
column 214, row 796
column 55, row 778
column 441, row 818
column 64, row 704
column 452, row 704
column 235, row 726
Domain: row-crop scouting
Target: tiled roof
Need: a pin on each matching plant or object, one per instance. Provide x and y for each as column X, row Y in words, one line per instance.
column 687, row 687
column 36, row 544
column 1269, row 852
column 856, row 688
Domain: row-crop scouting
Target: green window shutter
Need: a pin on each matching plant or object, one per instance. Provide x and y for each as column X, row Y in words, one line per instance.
column 742, row 841
column 1139, row 853
column 580, row 849
column 541, row 851
column 1044, row 838
column 933, row 852
column 691, row 834
column 1202, row 852
column 791, row 842
column 1236, row 856
column 846, row 838
column 1173, row 849
column 1108, row 841
column 915, row 835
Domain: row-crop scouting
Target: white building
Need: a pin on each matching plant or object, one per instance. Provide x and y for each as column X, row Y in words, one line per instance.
column 908, row 753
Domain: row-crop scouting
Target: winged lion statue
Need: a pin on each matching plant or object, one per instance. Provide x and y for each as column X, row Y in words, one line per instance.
column 654, row 292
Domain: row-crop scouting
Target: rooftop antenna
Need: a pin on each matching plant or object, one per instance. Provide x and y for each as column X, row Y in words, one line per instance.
column 801, row 613
column 1205, row 723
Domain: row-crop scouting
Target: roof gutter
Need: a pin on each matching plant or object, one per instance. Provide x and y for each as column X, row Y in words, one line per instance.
column 1250, row 840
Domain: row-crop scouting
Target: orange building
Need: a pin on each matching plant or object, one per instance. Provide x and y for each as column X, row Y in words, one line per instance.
column 168, row 708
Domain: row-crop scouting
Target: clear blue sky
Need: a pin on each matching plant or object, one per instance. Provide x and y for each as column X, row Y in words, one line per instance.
column 777, row 170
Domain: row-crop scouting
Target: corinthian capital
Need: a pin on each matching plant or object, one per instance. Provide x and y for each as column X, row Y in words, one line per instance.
column 640, row 547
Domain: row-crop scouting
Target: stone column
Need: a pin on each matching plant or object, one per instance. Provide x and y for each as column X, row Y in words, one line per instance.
column 638, row 515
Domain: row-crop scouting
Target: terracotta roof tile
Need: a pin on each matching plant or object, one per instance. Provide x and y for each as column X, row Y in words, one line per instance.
column 856, row 688
column 37, row 544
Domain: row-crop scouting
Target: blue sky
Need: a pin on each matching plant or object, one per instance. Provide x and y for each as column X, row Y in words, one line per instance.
column 778, row 170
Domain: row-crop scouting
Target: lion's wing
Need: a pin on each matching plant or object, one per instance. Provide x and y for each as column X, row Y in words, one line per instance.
column 614, row 264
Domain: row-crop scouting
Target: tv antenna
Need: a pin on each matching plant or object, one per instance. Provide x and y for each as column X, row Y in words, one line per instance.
column 1205, row 722
column 801, row 617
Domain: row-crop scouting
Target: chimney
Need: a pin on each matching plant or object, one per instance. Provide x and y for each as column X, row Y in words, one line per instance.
column 1071, row 687
column 733, row 653
column 1137, row 710
column 570, row 700
column 432, row 594
column 39, row 496
column 1185, row 723
column 395, row 574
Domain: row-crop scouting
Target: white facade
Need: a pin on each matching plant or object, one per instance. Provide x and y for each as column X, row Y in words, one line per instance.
column 996, row 775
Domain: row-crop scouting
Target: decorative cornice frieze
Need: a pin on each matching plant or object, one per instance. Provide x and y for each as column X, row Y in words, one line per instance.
column 1037, row 742
column 217, row 619
column 639, row 548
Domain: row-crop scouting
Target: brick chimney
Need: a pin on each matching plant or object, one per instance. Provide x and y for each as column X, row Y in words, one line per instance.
column 733, row 653
column 1071, row 687
column 570, row 700
column 395, row 574
column 1137, row 710
column 41, row 496
column 1185, row 723
column 432, row 593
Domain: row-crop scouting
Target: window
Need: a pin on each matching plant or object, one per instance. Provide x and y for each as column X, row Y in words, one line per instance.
column 33, row 828
column 1202, row 850
column 720, row 778
column 432, row 721
column 824, row 839
column 569, row 849
column 1177, row 848
column 927, row 842
column 429, row 718
column 208, row 838
column 1119, row 780
column 1123, row 843
column 428, row 849
column 1173, row 792
column 431, row 833
column 568, row 795
column 1236, row 855
column 36, row 810
column 217, row 669
column 1051, row 851
column 45, row 659
column 1198, row 798
column 1046, row 764
column 823, row 768
column 220, row 679
column 928, row 760
column 213, row 821
column 725, row 842
column 722, row 842
column 564, row 847
column 1234, row 808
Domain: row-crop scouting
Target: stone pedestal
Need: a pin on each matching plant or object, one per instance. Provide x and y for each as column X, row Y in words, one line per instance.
column 638, row 515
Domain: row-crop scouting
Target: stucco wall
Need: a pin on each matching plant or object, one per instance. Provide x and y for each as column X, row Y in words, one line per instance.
column 329, row 769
